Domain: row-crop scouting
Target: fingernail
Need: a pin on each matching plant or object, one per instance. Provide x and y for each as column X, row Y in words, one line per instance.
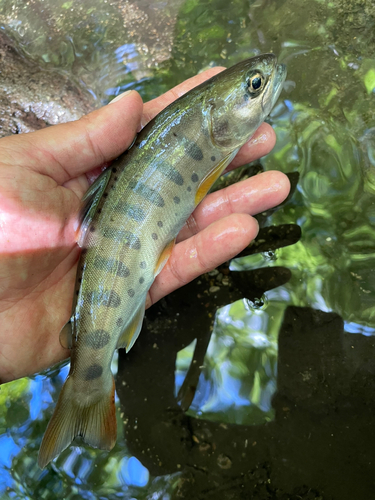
column 120, row 96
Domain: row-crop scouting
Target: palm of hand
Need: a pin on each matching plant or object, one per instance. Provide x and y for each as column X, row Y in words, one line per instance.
column 37, row 265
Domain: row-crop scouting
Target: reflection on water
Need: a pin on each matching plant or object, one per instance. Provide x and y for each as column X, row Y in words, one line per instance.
column 265, row 397
column 238, row 375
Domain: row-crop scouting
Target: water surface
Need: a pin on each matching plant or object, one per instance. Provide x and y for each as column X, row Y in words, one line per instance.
column 256, row 380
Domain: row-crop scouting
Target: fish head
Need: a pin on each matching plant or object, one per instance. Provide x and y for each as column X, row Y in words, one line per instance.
column 242, row 97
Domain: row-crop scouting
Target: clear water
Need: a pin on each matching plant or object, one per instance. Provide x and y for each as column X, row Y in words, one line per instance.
column 279, row 399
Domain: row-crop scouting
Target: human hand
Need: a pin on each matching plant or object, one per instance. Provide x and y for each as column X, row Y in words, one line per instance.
column 43, row 176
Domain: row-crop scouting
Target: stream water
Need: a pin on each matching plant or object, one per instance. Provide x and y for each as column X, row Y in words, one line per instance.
column 258, row 379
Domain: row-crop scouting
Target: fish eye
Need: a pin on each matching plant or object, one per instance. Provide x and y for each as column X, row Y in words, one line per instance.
column 255, row 83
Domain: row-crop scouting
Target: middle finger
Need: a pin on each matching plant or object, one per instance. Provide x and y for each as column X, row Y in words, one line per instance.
column 251, row 196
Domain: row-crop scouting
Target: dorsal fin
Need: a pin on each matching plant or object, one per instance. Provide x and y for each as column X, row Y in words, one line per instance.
column 90, row 203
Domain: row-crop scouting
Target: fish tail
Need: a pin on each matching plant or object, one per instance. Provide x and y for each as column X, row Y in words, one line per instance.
column 95, row 423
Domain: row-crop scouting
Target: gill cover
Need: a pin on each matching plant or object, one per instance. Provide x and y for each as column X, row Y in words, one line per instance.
column 245, row 96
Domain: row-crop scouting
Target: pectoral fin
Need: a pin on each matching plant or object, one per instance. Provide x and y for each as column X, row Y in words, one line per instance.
column 131, row 332
column 212, row 176
column 90, row 203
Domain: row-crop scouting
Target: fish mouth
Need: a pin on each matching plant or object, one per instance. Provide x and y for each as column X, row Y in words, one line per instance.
column 274, row 87
column 279, row 79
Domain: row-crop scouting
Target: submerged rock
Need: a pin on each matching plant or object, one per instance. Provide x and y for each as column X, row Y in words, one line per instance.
column 32, row 98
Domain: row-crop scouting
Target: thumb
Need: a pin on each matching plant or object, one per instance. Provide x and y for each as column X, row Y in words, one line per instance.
column 68, row 150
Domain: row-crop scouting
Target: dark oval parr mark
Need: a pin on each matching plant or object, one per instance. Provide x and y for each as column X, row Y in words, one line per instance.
column 112, row 300
column 93, row 372
column 193, row 151
column 97, row 339
column 107, row 298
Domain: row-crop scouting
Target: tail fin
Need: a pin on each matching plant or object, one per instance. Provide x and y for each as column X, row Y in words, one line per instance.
column 96, row 424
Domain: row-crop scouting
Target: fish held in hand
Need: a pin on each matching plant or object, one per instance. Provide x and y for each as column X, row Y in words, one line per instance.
column 130, row 218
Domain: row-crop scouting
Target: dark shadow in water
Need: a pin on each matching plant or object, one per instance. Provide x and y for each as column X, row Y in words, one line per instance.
column 321, row 444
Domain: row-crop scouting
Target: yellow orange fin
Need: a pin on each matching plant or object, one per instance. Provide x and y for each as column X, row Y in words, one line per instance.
column 96, row 423
column 66, row 335
column 132, row 331
column 212, row 176
column 164, row 256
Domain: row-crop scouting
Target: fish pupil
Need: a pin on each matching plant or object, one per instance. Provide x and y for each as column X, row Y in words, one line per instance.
column 256, row 82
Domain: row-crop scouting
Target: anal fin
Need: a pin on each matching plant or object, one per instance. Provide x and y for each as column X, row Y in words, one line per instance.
column 212, row 176
column 132, row 331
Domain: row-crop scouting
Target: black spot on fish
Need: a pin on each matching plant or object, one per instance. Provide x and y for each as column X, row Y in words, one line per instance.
column 94, row 371
column 194, row 178
column 114, row 170
column 77, row 292
column 171, row 173
column 174, row 133
column 213, row 158
column 97, row 339
column 105, row 195
column 122, row 236
column 92, row 229
column 116, row 178
column 133, row 211
column 177, row 200
column 148, row 193
column 189, row 189
column 119, row 321
column 160, row 224
column 141, row 280
column 193, row 150
column 131, row 292
column 99, row 210
column 143, row 265
column 154, row 236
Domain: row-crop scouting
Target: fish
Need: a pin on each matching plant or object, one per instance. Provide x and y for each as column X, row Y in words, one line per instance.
column 129, row 220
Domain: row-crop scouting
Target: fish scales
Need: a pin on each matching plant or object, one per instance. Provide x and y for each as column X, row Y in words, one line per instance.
column 131, row 216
